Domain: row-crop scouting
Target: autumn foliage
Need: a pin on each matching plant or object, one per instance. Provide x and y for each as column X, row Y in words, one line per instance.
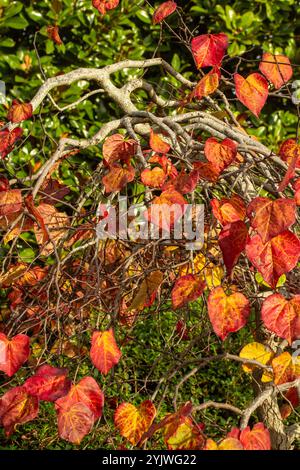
column 244, row 276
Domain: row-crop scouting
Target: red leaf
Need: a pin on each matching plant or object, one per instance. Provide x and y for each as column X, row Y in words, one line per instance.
column 277, row 69
column 274, row 258
column 207, row 171
column 19, row 111
column 164, row 10
column 13, row 353
column 104, row 353
column 48, row 383
column 232, row 241
column 11, row 202
column 209, row 49
column 86, row 391
column 118, row 177
column 75, row 422
column 282, row 316
column 230, row 210
column 289, row 150
column 296, row 187
column 271, row 217
column 220, row 154
column 104, row 5
column 184, row 183
column 154, row 178
column 157, row 144
column 227, row 313
column 183, row 434
column 17, row 407
column 53, row 33
column 256, row 439
column 117, row 148
column 187, row 288
column 133, row 421
column 8, row 140
column 4, row 184
column 252, row 91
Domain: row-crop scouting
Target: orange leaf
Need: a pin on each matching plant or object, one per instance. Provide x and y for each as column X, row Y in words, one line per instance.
column 104, row 5
column 289, row 150
column 157, row 144
column 227, row 313
column 75, row 422
column 207, row 171
column 53, row 33
column 86, row 391
column 271, row 217
column 229, row 210
column 19, row 111
column 187, row 288
column 274, row 258
column 165, row 163
column 256, row 439
column 184, row 183
column 48, row 383
column 164, row 10
column 277, row 68
column 183, row 434
column 153, row 178
column 166, row 209
column 17, row 407
column 104, row 353
column 232, row 241
column 230, row 443
column 220, row 154
column 286, row 368
column 117, row 148
column 133, row 421
column 296, row 187
column 118, row 177
column 147, row 289
column 206, row 86
column 11, row 202
column 13, row 353
column 260, row 353
column 282, row 316
column 252, row 91
column 209, row 49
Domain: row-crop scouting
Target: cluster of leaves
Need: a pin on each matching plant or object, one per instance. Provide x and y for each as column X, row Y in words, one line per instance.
column 95, row 298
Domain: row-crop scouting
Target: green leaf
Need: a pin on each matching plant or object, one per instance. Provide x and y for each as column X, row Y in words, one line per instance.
column 18, row 22
column 27, row 255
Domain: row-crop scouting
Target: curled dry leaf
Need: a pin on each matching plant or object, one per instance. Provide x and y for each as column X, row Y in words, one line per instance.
column 53, row 33
column 163, row 11
column 104, row 5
